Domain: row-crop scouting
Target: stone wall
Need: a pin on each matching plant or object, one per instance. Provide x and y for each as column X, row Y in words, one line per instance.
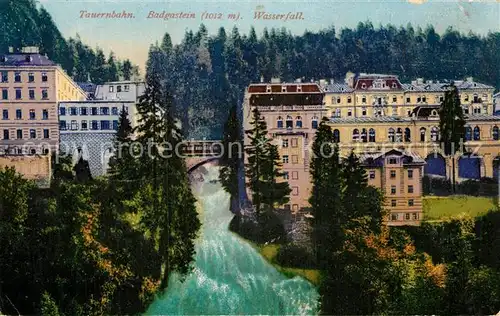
column 34, row 167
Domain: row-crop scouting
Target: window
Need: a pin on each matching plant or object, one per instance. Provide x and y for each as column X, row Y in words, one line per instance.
column 5, row 76
column 477, row 133
column 434, row 134
column 355, row 135
column 408, row 100
column 393, row 161
column 394, row 99
column 364, row 136
column 31, row 77
column 314, row 123
column 371, row 135
column 31, row 94
column 289, row 122
column 45, row 94
column 44, row 76
column 95, row 125
column 372, row 174
column 407, row 216
column 104, row 111
column 94, row 111
column 126, row 87
column 45, row 133
column 349, row 99
column 279, row 122
column 295, row 159
column 391, row 134
column 32, row 134
column 415, row 216
column 73, row 125
column 118, row 88
column 6, row 134
column 424, row 99
column 393, row 189
column 114, row 110
column 410, row 189
column 336, row 136
column 84, row 125
column 349, row 112
column 295, row 175
column 494, row 133
column 111, row 89
column 32, row 114
column 410, row 173
column 466, row 98
column 363, row 111
column 73, row 111
column 295, row 142
column 393, row 203
column 115, row 125
column 105, row 125
column 468, row 133
column 394, row 217
column 19, row 114
column 62, row 111
column 19, row 134
column 298, row 122
column 285, row 175
column 285, row 158
column 284, row 143
column 393, row 174
column 399, row 135
column 17, row 77
column 62, row 125
column 5, row 94
column 407, row 135
column 5, row 114
column 363, row 99
column 410, row 202
column 84, row 111
column 422, row 134
column 338, row 100
column 295, row 190
column 19, row 94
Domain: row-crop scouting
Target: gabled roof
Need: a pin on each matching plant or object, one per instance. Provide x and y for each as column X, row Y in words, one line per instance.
column 337, row 88
column 23, row 59
column 377, row 159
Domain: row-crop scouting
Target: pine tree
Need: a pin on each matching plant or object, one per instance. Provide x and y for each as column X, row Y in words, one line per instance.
column 112, row 74
column 82, row 171
column 452, row 126
column 257, row 154
column 231, row 157
column 47, row 306
column 127, row 70
column 276, row 192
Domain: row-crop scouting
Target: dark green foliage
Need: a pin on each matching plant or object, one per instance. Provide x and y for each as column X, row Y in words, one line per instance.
column 47, row 306
column 295, row 256
column 267, row 228
column 82, row 171
column 442, row 187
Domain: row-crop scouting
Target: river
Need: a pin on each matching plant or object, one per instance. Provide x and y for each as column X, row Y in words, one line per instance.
column 229, row 275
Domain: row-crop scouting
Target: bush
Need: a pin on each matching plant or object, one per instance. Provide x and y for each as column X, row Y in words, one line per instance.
column 295, row 256
column 268, row 228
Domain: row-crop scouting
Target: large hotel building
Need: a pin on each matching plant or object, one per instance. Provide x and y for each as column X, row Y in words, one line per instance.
column 392, row 126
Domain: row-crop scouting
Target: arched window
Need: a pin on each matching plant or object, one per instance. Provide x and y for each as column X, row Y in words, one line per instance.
column 468, row 133
column 289, row 122
column 434, row 134
column 391, row 134
column 355, row 135
column 495, row 133
column 298, row 122
column 336, row 136
column 279, row 122
column 407, row 135
column 314, row 122
column 337, row 112
column 371, row 135
column 399, row 135
column 364, row 135
column 423, row 131
column 477, row 133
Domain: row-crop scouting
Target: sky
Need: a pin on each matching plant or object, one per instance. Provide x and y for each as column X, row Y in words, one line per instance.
column 131, row 37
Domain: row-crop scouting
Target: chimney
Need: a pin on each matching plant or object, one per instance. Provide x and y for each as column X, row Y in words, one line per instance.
column 298, row 80
column 261, row 79
column 322, row 82
column 470, row 79
column 11, row 49
column 331, row 80
column 275, row 80
column 420, row 81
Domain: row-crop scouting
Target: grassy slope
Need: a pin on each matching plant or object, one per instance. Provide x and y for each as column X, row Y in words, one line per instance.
column 269, row 252
column 442, row 208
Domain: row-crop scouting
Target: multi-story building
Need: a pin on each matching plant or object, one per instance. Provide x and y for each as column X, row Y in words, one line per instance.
column 120, row 90
column 374, row 114
column 88, row 128
column 31, row 86
column 399, row 175
column 292, row 112
column 496, row 103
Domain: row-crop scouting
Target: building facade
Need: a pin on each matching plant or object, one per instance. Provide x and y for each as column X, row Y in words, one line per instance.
column 292, row 112
column 31, row 86
column 87, row 129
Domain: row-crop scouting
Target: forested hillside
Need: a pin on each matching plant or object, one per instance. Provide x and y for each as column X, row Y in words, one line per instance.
column 23, row 24
column 209, row 71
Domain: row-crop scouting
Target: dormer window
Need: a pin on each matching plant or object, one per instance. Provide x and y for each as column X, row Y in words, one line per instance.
column 392, row 161
column 434, row 113
column 268, row 89
column 466, row 98
column 111, row 89
column 363, row 85
column 394, row 85
column 299, row 88
column 283, row 89
column 28, row 58
column 4, row 59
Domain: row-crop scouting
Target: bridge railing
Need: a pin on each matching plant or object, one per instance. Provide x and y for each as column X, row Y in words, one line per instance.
column 201, row 148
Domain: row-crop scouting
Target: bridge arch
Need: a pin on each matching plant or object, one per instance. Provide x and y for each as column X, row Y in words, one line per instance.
column 193, row 164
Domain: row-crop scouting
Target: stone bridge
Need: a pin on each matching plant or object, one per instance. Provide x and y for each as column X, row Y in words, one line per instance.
column 200, row 152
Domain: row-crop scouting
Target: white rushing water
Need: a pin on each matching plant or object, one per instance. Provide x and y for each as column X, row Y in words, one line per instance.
column 229, row 275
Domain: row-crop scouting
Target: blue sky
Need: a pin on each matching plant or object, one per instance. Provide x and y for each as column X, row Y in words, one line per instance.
column 130, row 38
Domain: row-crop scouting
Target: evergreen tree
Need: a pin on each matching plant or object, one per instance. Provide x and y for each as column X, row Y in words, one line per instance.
column 275, row 192
column 257, row 153
column 112, row 74
column 127, row 70
column 47, row 306
column 82, row 171
column 231, row 156
column 452, row 126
